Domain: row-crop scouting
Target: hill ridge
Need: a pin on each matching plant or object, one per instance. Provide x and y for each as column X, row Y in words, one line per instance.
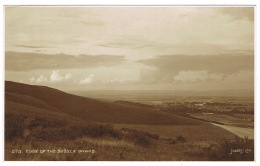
column 87, row 109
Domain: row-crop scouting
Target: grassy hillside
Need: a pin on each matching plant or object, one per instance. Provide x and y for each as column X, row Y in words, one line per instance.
column 43, row 100
column 45, row 139
column 41, row 118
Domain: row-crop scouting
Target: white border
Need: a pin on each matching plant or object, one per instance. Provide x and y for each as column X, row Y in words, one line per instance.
column 131, row 3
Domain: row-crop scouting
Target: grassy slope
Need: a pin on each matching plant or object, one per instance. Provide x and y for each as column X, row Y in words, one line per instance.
column 45, row 100
column 112, row 144
column 30, row 111
column 192, row 132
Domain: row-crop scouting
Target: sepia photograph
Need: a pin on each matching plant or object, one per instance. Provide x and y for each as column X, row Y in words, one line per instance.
column 129, row 83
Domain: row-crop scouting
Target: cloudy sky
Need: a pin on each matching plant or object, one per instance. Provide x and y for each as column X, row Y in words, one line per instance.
column 125, row 48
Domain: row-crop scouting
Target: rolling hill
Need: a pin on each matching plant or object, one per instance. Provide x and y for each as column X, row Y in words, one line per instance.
column 59, row 120
column 42, row 101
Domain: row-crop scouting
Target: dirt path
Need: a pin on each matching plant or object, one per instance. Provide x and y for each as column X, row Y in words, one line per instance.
column 239, row 131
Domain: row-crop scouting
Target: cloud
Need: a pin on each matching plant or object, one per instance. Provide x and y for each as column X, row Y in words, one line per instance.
column 238, row 12
column 56, row 77
column 137, row 33
column 133, row 32
column 32, row 79
column 93, row 23
column 130, row 42
column 30, row 46
column 87, row 80
column 41, row 79
column 168, row 69
column 35, row 25
column 18, row 61
column 196, row 76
